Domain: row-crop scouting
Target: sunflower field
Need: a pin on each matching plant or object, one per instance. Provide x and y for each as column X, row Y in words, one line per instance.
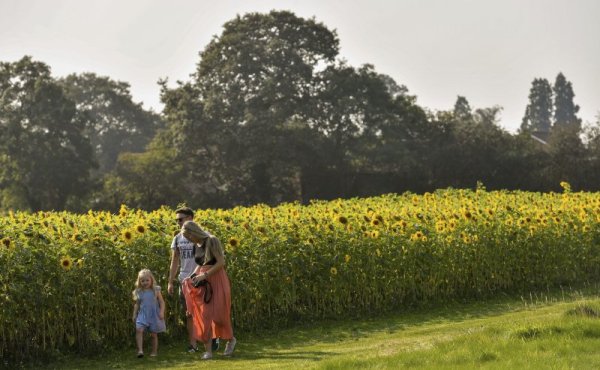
column 66, row 279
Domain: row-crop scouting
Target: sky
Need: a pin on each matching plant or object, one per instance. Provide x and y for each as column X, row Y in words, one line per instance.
column 486, row 50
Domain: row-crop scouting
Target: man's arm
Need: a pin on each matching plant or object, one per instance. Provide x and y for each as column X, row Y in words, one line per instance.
column 173, row 269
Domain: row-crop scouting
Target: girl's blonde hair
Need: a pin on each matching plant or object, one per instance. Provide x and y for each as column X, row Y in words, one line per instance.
column 138, row 285
column 212, row 243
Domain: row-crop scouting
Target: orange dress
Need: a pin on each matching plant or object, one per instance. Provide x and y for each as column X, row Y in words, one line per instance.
column 212, row 319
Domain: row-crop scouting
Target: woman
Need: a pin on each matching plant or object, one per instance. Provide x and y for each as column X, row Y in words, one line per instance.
column 207, row 291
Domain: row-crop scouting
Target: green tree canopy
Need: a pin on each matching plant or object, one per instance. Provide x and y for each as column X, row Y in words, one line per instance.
column 538, row 114
column 45, row 158
column 565, row 110
column 113, row 122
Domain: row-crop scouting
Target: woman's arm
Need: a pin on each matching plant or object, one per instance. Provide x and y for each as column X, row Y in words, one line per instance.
column 216, row 267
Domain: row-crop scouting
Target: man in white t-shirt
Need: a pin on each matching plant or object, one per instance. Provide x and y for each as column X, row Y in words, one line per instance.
column 182, row 257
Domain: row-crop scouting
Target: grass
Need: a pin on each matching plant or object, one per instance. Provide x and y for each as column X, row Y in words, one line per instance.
column 536, row 332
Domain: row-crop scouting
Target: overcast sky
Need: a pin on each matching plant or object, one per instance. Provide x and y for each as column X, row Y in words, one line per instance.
column 486, row 50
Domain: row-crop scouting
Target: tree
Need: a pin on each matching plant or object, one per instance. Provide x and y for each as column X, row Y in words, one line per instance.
column 462, row 109
column 145, row 180
column 568, row 156
column 113, row 122
column 251, row 90
column 538, row 113
column 45, row 158
column 565, row 110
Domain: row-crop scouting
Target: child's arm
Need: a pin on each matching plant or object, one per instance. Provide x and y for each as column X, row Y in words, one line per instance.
column 161, row 303
column 136, row 307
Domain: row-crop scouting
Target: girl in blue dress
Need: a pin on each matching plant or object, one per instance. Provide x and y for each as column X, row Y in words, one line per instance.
column 148, row 311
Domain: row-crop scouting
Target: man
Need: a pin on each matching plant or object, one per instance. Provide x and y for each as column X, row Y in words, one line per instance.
column 182, row 257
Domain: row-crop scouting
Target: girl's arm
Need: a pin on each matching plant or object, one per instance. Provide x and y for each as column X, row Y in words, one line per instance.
column 136, row 307
column 161, row 304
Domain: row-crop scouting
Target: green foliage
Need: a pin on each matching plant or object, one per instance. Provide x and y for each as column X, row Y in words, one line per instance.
column 565, row 110
column 114, row 124
column 69, row 277
column 45, row 157
column 538, row 113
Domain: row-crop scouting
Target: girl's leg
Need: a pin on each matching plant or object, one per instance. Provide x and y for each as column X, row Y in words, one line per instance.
column 154, row 344
column 139, row 340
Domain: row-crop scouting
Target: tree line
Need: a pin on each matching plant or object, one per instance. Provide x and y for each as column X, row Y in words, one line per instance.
column 271, row 114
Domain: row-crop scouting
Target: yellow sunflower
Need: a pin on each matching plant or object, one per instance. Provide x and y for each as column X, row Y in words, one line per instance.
column 66, row 263
column 140, row 229
column 343, row 220
column 127, row 235
column 6, row 242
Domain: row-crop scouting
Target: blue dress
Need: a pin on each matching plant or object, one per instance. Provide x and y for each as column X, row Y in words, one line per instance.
column 147, row 317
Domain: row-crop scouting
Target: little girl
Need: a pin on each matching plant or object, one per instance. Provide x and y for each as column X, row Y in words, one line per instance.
column 148, row 311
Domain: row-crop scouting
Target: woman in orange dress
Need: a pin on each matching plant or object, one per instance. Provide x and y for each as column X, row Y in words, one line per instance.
column 207, row 291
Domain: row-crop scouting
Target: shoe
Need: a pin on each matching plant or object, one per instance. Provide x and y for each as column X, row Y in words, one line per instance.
column 207, row 356
column 140, row 354
column 215, row 344
column 192, row 349
column 229, row 347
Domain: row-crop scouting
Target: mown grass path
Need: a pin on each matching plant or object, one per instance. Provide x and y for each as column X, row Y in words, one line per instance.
column 532, row 333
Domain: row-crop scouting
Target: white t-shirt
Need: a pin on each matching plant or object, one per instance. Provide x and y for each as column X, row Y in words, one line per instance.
column 187, row 264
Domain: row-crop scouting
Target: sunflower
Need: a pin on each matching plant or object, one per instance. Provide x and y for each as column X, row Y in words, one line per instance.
column 6, row 242
column 140, row 229
column 234, row 242
column 66, row 263
column 127, row 235
column 343, row 220
column 123, row 210
column 347, row 258
column 333, row 271
column 79, row 263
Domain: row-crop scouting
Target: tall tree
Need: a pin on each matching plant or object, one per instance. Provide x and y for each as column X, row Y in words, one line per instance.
column 113, row 122
column 538, row 114
column 45, row 158
column 462, row 109
column 253, row 84
column 565, row 110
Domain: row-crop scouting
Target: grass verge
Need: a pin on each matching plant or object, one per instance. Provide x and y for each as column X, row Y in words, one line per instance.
column 558, row 331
